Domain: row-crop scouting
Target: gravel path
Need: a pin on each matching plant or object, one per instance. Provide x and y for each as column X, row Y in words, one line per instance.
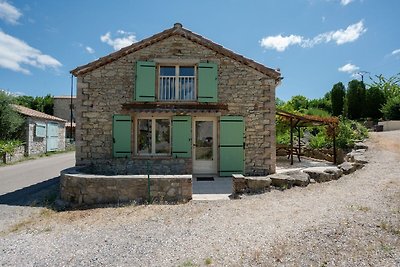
column 354, row 221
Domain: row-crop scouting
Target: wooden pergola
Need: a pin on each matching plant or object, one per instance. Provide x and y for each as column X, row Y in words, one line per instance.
column 296, row 122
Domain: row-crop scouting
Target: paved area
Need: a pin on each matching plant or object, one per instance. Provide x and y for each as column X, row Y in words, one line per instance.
column 219, row 189
column 31, row 172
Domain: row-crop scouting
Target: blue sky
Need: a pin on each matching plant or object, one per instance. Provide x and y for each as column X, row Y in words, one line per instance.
column 315, row 43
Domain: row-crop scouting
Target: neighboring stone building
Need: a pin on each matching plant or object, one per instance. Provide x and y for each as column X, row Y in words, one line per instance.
column 176, row 103
column 62, row 109
column 43, row 132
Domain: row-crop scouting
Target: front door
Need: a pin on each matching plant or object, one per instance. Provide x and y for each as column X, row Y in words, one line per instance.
column 205, row 145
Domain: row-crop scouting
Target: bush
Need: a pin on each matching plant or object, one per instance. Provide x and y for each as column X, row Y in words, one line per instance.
column 391, row 109
column 10, row 121
column 8, row 147
column 321, row 140
column 349, row 132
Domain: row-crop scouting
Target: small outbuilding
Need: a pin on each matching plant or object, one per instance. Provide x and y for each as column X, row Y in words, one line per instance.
column 43, row 132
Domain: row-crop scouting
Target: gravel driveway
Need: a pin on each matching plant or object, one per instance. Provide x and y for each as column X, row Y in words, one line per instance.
column 354, row 221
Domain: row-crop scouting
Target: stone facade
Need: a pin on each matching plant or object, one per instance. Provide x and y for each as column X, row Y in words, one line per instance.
column 88, row 189
column 62, row 107
column 101, row 92
column 38, row 145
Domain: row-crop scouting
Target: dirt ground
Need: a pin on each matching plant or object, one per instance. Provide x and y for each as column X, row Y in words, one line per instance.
column 354, row 221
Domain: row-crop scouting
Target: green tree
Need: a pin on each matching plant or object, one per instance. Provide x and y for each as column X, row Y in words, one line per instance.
column 389, row 86
column 391, row 109
column 10, row 121
column 298, row 102
column 39, row 103
column 338, row 94
column 374, row 100
column 355, row 99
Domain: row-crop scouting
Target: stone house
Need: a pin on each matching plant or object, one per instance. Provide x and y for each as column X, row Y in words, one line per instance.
column 62, row 109
column 43, row 133
column 176, row 103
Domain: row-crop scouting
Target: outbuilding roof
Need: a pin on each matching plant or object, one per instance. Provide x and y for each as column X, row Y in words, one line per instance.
column 177, row 30
column 37, row 114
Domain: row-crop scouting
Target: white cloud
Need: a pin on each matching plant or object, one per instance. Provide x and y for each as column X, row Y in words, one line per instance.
column 9, row 13
column 15, row 54
column 127, row 38
column 345, row 2
column 350, row 34
column 89, row 50
column 396, row 52
column 349, row 68
column 279, row 42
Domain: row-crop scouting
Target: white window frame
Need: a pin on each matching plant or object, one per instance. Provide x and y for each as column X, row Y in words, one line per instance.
column 177, row 66
column 153, row 135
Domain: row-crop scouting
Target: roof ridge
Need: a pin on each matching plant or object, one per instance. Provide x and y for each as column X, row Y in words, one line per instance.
column 34, row 113
column 177, row 29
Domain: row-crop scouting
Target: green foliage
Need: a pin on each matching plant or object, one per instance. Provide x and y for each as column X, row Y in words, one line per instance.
column 391, row 109
column 374, row 100
column 338, row 94
column 355, row 99
column 349, row 132
column 321, row 103
column 389, row 86
column 39, row 103
column 9, row 146
column 10, row 121
column 321, row 140
column 298, row 102
column 317, row 112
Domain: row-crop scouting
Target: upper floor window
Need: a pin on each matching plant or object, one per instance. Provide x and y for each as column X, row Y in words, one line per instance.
column 177, row 83
column 191, row 82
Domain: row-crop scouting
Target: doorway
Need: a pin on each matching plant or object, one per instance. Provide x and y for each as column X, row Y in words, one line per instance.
column 205, row 145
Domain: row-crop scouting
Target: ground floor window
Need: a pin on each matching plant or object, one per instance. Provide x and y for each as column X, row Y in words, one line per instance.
column 153, row 136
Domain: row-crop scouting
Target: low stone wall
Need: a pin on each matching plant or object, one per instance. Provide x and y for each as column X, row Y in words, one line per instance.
column 390, row 125
column 87, row 189
column 18, row 154
column 250, row 184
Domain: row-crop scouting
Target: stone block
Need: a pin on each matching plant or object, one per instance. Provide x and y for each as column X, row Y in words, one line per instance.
column 348, row 167
column 323, row 174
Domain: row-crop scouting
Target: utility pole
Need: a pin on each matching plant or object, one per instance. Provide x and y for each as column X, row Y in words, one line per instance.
column 362, row 73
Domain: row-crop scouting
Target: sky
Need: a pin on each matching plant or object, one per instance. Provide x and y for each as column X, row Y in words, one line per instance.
column 314, row 43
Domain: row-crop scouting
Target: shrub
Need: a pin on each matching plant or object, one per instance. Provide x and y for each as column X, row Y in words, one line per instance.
column 391, row 109
column 321, row 140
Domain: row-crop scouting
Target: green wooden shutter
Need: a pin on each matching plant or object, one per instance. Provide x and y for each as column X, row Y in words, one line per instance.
column 207, row 90
column 122, row 126
column 181, row 136
column 145, row 90
column 231, row 151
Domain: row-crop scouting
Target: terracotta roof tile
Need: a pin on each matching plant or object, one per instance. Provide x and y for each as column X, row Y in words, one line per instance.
column 179, row 31
column 37, row 114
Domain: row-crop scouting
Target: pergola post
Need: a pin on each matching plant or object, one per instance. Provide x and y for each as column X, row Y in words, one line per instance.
column 291, row 141
column 334, row 147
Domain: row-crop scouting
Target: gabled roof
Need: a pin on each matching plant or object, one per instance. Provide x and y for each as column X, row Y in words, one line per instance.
column 37, row 114
column 177, row 30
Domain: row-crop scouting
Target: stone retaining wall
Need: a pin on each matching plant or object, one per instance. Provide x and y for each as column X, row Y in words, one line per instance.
column 18, row 154
column 88, row 189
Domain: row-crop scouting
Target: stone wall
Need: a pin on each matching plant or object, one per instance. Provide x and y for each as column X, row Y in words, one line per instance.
column 246, row 91
column 37, row 145
column 88, row 189
column 62, row 107
column 18, row 154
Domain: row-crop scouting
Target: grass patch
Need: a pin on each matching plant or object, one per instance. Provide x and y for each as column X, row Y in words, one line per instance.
column 188, row 263
column 208, row 261
column 359, row 208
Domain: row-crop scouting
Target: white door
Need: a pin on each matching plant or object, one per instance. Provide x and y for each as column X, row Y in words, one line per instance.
column 204, row 145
